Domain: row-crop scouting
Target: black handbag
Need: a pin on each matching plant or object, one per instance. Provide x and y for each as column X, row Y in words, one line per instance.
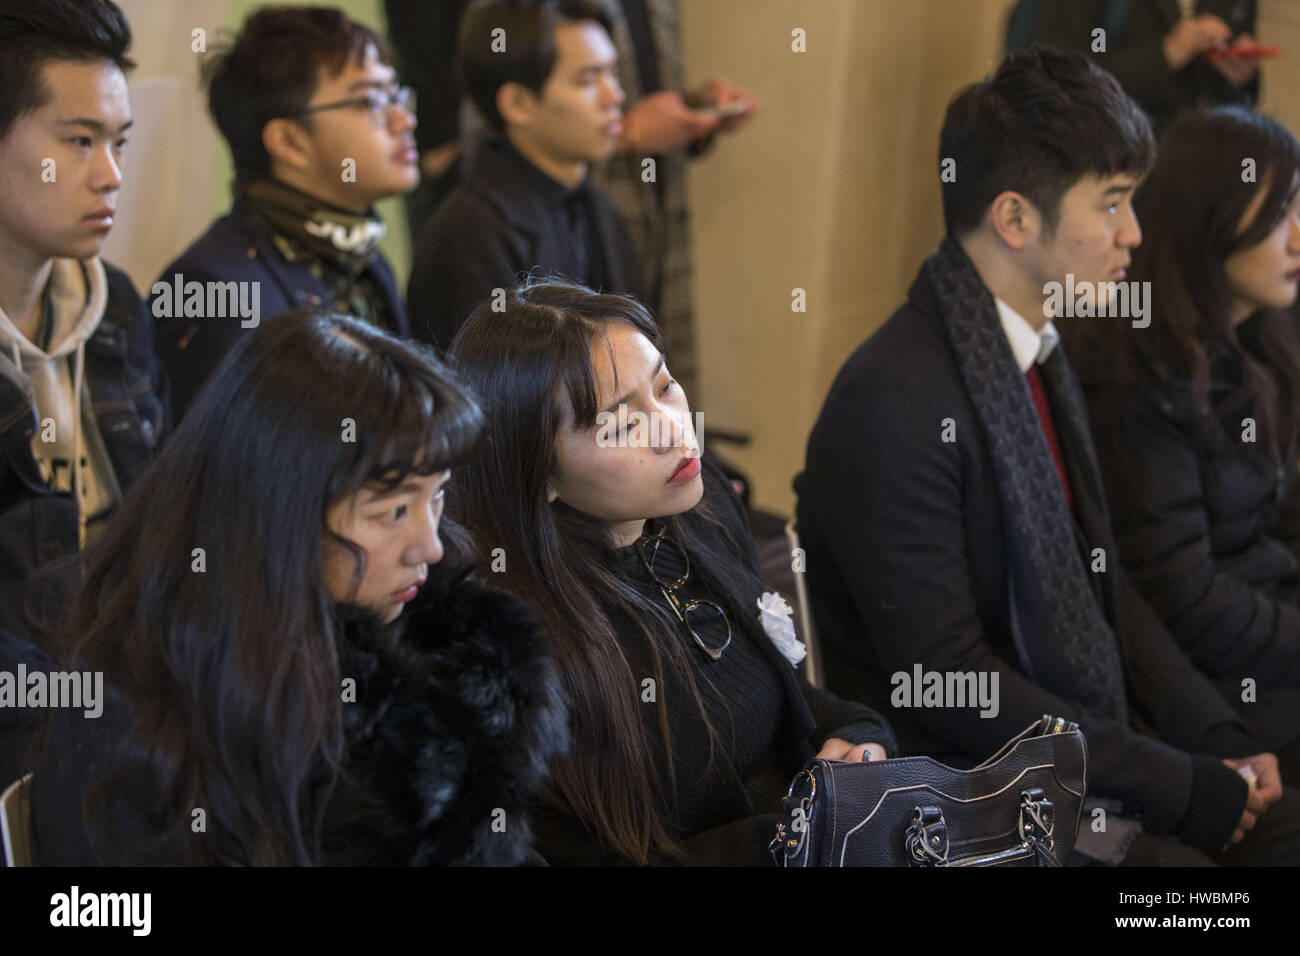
column 1018, row 808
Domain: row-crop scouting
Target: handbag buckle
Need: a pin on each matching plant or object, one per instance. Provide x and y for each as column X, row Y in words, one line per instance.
column 1037, row 819
column 775, row 846
column 803, row 818
column 927, row 837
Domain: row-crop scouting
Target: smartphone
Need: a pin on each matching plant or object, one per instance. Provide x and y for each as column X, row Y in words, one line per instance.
column 734, row 108
column 1243, row 49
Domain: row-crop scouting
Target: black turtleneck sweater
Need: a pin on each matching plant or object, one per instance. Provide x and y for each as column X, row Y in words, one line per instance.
column 767, row 720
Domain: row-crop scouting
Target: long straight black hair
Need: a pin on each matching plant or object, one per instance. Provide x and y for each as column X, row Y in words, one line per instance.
column 525, row 362
column 1190, row 209
column 204, row 601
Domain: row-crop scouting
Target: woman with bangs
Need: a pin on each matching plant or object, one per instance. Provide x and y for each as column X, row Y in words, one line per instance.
column 286, row 683
column 591, row 499
column 1196, row 411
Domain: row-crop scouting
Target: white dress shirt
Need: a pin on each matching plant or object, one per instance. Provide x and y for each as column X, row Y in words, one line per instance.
column 1029, row 347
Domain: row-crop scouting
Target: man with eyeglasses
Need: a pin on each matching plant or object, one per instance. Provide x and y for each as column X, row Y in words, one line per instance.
column 319, row 131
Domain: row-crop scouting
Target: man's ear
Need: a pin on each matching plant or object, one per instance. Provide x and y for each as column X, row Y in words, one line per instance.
column 516, row 103
column 287, row 143
column 1014, row 218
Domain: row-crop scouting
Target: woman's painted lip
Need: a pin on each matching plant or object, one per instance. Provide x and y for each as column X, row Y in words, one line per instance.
column 404, row 597
column 688, row 469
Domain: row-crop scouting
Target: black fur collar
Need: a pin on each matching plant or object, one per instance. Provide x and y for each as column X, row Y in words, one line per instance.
column 456, row 717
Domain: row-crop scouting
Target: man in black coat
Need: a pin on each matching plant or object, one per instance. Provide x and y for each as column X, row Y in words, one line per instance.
column 319, row 132
column 553, row 103
column 952, row 512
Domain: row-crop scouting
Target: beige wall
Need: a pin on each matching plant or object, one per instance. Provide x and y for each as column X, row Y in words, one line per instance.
column 174, row 152
column 833, row 188
column 1279, row 23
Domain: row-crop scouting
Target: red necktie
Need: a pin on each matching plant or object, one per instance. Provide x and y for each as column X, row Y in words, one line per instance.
column 1049, row 429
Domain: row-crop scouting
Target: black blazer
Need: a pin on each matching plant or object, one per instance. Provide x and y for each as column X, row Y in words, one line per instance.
column 908, row 562
column 494, row 226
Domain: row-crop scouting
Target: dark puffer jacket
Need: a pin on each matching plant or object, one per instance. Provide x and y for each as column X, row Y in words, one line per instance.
column 1207, row 524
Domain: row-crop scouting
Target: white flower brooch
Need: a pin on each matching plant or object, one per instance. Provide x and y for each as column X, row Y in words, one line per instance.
column 774, row 614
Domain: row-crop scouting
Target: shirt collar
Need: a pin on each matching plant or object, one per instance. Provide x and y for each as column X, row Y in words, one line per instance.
column 552, row 191
column 1029, row 347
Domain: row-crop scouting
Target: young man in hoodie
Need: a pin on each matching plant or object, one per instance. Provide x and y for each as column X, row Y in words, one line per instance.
column 319, row 131
column 82, row 402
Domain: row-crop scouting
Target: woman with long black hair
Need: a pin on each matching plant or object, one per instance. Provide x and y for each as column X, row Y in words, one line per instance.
column 287, row 687
column 590, row 499
column 1196, row 410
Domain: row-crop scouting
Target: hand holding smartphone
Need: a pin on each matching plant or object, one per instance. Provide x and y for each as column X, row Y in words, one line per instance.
column 734, row 108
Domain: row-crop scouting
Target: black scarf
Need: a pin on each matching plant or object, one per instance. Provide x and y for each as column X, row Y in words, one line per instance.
column 1076, row 653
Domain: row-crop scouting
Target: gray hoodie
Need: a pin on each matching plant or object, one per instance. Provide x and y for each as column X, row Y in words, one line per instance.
column 66, row 445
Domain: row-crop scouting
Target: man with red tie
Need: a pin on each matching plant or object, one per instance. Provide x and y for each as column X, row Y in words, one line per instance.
column 952, row 512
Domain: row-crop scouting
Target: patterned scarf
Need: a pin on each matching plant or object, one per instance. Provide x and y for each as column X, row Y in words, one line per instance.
column 334, row 245
column 348, row 239
column 1076, row 653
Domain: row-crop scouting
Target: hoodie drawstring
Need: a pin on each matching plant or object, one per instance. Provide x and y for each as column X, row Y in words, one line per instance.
column 78, row 379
